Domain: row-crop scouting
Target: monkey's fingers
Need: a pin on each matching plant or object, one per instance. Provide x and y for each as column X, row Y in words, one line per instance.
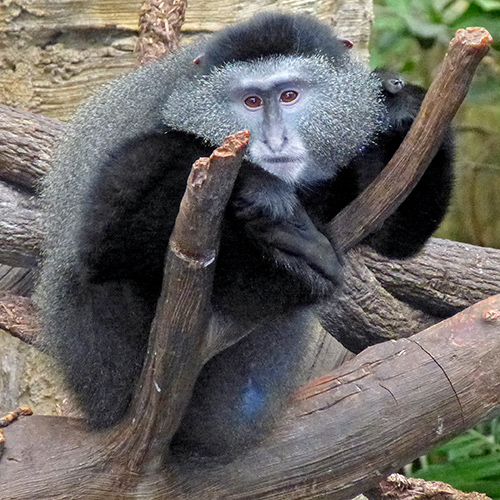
column 307, row 245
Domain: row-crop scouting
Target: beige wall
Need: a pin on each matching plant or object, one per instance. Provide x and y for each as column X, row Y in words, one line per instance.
column 53, row 53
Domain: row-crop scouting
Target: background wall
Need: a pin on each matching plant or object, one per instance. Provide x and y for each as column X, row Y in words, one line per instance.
column 53, row 53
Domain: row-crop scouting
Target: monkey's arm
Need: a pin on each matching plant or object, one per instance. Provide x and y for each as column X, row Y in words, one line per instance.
column 132, row 205
column 405, row 232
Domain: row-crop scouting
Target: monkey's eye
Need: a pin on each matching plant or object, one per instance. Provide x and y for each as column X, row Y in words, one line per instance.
column 253, row 101
column 289, row 96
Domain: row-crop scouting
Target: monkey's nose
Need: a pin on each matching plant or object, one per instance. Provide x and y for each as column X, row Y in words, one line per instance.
column 275, row 141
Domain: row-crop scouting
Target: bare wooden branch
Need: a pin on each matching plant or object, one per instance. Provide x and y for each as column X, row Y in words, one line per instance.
column 400, row 176
column 429, row 379
column 16, row 280
column 160, row 25
column 368, row 418
column 442, row 279
column 177, row 345
column 364, row 313
column 20, row 234
column 398, row 487
column 384, row 299
column 26, row 143
column 18, row 317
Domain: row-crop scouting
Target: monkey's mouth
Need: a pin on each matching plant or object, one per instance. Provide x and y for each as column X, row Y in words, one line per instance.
column 287, row 168
column 282, row 159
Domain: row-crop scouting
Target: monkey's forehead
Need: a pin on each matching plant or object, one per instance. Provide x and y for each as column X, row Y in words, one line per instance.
column 308, row 68
column 339, row 100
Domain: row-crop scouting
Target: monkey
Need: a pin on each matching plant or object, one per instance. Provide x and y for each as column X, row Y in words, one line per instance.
column 321, row 127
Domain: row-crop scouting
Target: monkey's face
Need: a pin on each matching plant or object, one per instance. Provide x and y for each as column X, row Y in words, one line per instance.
column 307, row 118
column 271, row 107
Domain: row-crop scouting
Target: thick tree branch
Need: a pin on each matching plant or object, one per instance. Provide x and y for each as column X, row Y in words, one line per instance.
column 386, row 299
column 372, row 415
column 178, row 341
column 20, row 234
column 444, row 278
column 16, row 280
column 26, row 143
column 365, row 313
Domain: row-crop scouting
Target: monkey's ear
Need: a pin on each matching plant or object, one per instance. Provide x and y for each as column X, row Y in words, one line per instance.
column 199, row 59
column 347, row 43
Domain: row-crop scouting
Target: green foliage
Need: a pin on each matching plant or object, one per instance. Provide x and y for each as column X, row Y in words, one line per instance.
column 411, row 36
column 470, row 462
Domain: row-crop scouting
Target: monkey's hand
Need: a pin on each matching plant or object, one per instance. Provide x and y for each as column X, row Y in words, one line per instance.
column 297, row 245
column 275, row 221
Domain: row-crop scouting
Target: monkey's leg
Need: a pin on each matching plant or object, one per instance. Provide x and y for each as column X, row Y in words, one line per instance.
column 101, row 343
column 241, row 391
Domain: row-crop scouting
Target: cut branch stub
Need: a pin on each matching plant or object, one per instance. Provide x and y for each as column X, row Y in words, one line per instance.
column 178, row 339
column 399, row 177
column 208, row 190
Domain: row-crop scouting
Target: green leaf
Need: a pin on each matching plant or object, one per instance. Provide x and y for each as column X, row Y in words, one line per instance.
column 399, row 6
column 464, row 446
column 428, row 30
column 389, row 23
column 472, row 469
column 489, row 5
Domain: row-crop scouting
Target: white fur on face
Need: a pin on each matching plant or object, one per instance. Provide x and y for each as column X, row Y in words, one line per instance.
column 340, row 114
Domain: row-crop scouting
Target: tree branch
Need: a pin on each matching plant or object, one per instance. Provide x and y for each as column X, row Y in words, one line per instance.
column 398, row 487
column 18, row 317
column 386, row 299
column 365, row 313
column 399, row 177
column 444, row 278
column 26, row 143
column 20, row 234
column 178, row 344
column 160, row 24
column 369, row 417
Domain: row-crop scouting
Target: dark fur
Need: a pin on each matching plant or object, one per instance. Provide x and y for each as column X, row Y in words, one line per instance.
column 269, row 34
column 422, row 212
column 112, row 201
